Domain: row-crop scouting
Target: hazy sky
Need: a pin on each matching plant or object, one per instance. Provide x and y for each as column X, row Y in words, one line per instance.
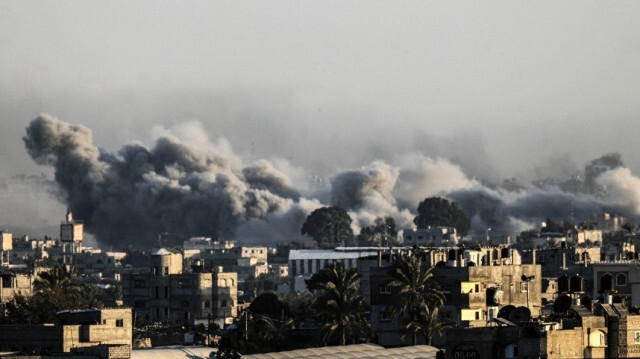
column 500, row 86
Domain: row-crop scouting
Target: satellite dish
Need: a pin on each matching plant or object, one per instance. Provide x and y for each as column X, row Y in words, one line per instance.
column 505, row 311
column 520, row 314
column 562, row 304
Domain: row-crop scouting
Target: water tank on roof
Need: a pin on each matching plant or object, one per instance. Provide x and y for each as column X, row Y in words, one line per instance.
column 563, row 284
column 452, row 254
column 576, row 284
column 606, row 283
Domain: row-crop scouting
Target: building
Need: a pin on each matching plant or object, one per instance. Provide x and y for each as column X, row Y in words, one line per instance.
column 304, row 263
column 247, row 262
column 624, row 332
column 618, row 279
column 165, row 291
column 99, row 333
column 6, row 245
column 474, row 293
column 14, row 281
column 431, row 236
column 581, row 335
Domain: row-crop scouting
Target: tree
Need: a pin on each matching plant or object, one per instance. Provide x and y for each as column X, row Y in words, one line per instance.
column 268, row 304
column 382, row 232
column 329, row 226
column 55, row 290
column 436, row 211
column 429, row 323
column 418, row 296
column 339, row 305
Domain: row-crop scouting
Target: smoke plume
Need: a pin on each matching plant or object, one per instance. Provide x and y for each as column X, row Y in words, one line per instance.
column 187, row 185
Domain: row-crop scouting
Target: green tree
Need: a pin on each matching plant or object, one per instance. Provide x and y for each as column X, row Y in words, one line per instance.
column 339, row 305
column 436, row 211
column 418, row 295
column 381, row 233
column 330, row 227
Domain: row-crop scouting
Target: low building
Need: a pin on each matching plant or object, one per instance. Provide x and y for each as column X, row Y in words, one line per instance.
column 15, row 281
column 582, row 335
column 431, row 236
column 101, row 333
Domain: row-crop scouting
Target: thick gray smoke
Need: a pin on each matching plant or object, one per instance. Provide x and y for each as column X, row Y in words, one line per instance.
column 132, row 196
column 186, row 185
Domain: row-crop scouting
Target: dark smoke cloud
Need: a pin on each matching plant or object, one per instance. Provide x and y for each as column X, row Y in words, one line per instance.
column 188, row 186
column 131, row 197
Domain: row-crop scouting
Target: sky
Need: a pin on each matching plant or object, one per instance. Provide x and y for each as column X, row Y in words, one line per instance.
column 504, row 89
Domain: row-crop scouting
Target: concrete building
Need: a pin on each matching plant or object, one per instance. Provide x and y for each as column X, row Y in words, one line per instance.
column 583, row 335
column 304, row 263
column 431, row 236
column 624, row 332
column 618, row 279
column 205, row 243
column 100, row 333
column 581, row 236
column 245, row 261
column 474, row 294
column 166, row 291
column 15, row 281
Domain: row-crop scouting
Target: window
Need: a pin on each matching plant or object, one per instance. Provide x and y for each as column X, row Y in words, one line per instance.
column 184, row 283
column 310, row 266
column 207, row 304
column 184, row 304
column 166, row 312
column 140, row 304
column 120, row 323
column 166, row 270
column 511, row 351
column 408, row 237
column 154, row 270
column 157, row 292
column 139, row 283
column 166, row 292
column 621, row 279
column 223, row 303
column 385, row 315
column 477, row 315
column 384, row 289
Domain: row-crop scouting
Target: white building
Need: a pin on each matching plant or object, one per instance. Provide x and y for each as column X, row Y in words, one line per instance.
column 303, row 263
column 431, row 236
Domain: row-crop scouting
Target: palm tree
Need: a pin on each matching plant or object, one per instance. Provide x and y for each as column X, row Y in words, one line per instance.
column 338, row 304
column 429, row 323
column 58, row 277
column 418, row 296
